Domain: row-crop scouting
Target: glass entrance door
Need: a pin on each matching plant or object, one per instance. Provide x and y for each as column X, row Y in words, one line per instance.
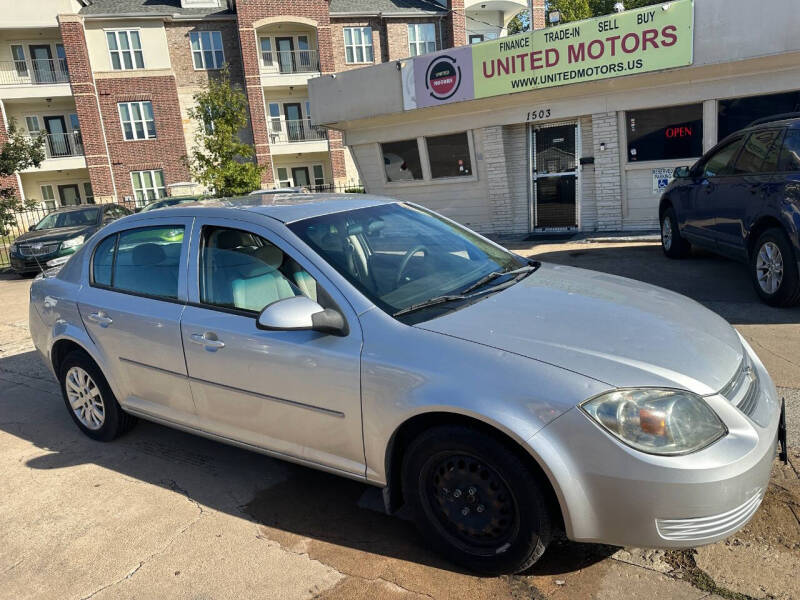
column 300, row 176
column 554, row 168
column 42, row 59
column 285, row 47
column 57, row 138
column 69, row 195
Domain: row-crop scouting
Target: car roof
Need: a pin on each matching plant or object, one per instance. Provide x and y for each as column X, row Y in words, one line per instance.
column 285, row 208
column 65, row 209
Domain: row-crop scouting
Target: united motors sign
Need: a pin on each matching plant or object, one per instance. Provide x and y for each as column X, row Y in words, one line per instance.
column 636, row 41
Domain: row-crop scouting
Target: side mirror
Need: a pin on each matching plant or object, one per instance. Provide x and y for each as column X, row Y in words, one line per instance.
column 681, row 173
column 300, row 313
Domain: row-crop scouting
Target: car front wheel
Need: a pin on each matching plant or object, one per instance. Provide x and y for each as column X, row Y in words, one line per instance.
column 673, row 244
column 475, row 500
column 773, row 266
column 89, row 399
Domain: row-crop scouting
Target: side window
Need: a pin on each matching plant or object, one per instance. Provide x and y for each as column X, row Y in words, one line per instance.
column 719, row 163
column 142, row 261
column 760, row 153
column 790, row 155
column 240, row 270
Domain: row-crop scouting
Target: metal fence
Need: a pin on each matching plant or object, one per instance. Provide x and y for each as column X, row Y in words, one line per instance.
column 38, row 71
column 289, row 61
column 289, row 131
column 25, row 219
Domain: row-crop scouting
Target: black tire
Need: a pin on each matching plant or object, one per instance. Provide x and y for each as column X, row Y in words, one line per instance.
column 787, row 292
column 514, row 527
column 115, row 421
column 672, row 243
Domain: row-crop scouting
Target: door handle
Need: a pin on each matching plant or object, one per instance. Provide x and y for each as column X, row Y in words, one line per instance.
column 101, row 318
column 208, row 340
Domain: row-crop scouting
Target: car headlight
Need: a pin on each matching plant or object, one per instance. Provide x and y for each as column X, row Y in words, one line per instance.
column 73, row 242
column 657, row 421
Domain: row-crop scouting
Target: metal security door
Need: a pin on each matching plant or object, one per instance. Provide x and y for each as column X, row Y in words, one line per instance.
column 554, row 177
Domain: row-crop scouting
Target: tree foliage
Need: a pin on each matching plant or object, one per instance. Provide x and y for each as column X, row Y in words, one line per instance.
column 18, row 153
column 573, row 10
column 220, row 160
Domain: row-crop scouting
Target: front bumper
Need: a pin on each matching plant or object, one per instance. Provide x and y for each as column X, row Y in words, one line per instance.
column 612, row 494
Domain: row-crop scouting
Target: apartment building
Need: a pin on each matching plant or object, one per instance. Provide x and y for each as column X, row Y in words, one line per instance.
column 110, row 82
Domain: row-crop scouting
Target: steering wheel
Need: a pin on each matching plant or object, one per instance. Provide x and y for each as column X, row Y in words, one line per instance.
column 407, row 259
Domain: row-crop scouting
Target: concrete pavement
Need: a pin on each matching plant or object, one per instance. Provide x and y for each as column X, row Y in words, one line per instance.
column 160, row 513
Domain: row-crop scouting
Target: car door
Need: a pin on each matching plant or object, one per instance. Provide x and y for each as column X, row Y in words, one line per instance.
column 710, row 179
column 745, row 190
column 132, row 308
column 296, row 393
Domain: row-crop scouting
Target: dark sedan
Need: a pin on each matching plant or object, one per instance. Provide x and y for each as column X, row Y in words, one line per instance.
column 60, row 233
column 742, row 200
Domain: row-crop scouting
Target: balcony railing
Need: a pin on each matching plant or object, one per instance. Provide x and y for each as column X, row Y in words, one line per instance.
column 290, row 61
column 61, row 145
column 34, row 72
column 284, row 131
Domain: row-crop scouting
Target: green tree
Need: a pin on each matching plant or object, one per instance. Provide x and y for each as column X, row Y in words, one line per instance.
column 605, row 7
column 571, row 10
column 521, row 22
column 220, row 160
column 19, row 152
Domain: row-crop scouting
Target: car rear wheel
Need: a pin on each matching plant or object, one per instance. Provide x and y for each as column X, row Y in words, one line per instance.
column 475, row 500
column 773, row 266
column 673, row 244
column 89, row 399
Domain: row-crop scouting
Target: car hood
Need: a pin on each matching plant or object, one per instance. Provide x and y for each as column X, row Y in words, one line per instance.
column 616, row 330
column 55, row 235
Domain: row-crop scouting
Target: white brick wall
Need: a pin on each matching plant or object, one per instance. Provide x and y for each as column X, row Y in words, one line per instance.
column 505, row 154
column 608, row 193
column 588, row 213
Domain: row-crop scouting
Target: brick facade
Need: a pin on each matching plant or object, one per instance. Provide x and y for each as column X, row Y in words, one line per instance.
column 180, row 52
column 166, row 151
column 379, row 51
column 397, row 35
column 608, row 194
column 456, row 24
column 538, row 19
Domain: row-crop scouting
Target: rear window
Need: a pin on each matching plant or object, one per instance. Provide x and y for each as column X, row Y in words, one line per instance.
column 760, row 153
column 144, row 261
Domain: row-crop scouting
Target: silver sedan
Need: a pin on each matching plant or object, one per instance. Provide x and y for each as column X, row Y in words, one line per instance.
column 499, row 398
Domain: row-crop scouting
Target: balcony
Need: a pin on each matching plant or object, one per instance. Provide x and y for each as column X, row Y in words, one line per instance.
column 285, row 62
column 288, row 136
column 34, row 78
column 62, row 151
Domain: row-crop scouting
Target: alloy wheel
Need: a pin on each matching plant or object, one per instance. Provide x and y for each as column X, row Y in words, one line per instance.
column 666, row 232
column 85, row 398
column 769, row 268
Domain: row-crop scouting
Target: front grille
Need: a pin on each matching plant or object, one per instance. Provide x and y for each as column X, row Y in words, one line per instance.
column 38, row 249
column 742, row 391
column 702, row 528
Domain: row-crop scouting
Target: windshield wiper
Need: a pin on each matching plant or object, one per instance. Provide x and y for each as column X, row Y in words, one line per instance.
column 526, row 270
column 431, row 302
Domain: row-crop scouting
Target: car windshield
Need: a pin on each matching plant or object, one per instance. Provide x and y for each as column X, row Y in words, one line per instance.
column 401, row 256
column 72, row 218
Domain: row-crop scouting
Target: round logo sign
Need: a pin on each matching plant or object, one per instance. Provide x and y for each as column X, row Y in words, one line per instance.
column 443, row 77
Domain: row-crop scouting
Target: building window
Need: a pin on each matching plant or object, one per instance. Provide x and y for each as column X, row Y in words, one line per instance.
column 274, row 120
column 137, row 120
column 88, row 192
column 421, row 38
column 475, row 38
column 48, row 197
column 665, row 133
column 18, row 54
column 266, row 52
column 125, row 49
column 401, row 160
column 319, row 176
column 738, row 113
column 32, row 123
column 358, row 45
column 207, row 49
column 449, row 155
column 148, row 185
column 283, row 177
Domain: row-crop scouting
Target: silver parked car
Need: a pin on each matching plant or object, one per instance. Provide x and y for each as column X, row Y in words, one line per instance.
column 500, row 398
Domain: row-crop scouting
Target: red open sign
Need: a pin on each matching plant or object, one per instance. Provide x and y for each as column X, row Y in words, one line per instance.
column 678, row 132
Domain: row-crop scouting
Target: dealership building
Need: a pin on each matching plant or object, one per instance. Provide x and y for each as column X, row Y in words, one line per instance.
column 575, row 127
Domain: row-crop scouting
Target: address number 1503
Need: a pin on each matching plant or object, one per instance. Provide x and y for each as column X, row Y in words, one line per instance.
column 538, row 115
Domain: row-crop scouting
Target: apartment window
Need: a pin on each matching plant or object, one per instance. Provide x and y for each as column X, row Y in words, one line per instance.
column 358, row 45
column 673, row 132
column 148, row 185
column 125, row 49
column 449, row 155
column 475, row 38
column 18, row 54
column 283, row 177
column 401, row 160
column 266, row 52
column 32, row 123
column 421, row 38
column 319, row 176
column 88, row 192
column 207, row 49
column 137, row 120
column 48, row 197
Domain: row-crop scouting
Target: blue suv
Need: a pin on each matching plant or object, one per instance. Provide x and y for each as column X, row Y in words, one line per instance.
column 742, row 200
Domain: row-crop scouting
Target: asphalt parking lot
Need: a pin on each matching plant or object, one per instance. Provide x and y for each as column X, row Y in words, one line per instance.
column 163, row 514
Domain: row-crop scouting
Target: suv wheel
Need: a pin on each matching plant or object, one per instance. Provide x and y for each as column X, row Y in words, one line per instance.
column 673, row 244
column 475, row 501
column 89, row 399
column 773, row 266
